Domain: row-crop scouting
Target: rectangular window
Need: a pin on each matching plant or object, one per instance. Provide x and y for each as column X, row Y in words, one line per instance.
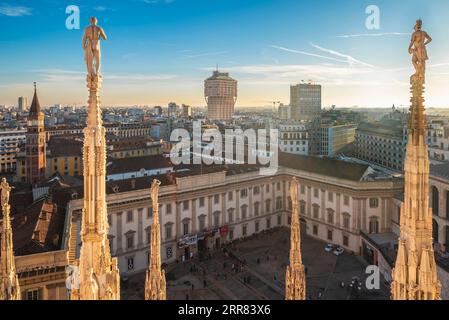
column 329, row 235
column 278, row 186
column 330, row 197
column 256, row 190
column 129, row 216
column 315, row 192
column 185, row 205
column 130, row 241
column 216, row 199
column 244, row 230
column 230, row 196
column 243, row 193
column 279, row 220
column 168, row 208
column 268, row 223
column 346, row 200
column 231, row 234
column 315, row 230
column 201, row 202
column 303, row 189
column 256, row 226
column 230, row 216
column 267, row 188
column 149, row 212
column 168, row 232
column 32, row 294
column 185, row 228
column 373, row 202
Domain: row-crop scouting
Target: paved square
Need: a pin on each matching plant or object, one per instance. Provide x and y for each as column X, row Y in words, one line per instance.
column 259, row 273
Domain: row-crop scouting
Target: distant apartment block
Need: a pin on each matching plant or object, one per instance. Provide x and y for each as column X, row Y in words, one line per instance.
column 9, row 143
column 284, row 112
column 381, row 143
column 294, row 138
column 186, row 111
column 305, row 101
column 220, row 91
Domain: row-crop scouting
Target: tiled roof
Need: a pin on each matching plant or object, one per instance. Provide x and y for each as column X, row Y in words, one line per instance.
column 136, row 164
column 324, row 166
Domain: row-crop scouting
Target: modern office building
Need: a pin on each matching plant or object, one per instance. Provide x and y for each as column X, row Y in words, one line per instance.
column 336, row 138
column 22, row 104
column 220, row 91
column 305, row 101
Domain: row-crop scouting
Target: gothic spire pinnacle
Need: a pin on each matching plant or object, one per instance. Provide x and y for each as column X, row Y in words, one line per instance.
column 35, row 108
column 99, row 277
column 414, row 274
column 295, row 280
column 155, row 286
column 9, row 282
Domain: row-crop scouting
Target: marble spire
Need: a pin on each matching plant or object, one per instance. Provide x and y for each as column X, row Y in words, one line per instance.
column 415, row 274
column 155, row 286
column 295, row 279
column 9, row 282
column 98, row 273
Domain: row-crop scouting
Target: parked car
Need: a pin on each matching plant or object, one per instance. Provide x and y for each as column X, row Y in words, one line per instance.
column 329, row 247
column 339, row 251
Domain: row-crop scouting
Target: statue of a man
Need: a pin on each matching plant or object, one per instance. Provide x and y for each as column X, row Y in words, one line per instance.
column 6, row 189
column 418, row 49
column 91, row 45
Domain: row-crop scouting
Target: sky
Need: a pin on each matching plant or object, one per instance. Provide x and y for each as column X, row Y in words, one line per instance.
column 162, row 50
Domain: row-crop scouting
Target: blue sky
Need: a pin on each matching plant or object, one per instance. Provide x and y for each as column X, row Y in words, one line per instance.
column 162, row 50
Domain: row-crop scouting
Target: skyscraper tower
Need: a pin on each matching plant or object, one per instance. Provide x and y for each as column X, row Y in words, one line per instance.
column 22, row 104
column 35, row 148
column 155, row 279
column 99, row 277
column 415, row 274
column 295, row 279
column 220, row 92
column 9, row 282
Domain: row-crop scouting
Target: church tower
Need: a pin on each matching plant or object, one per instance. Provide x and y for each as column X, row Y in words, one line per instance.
column 295, row 279
column 415, row 274
column 9, row 282
column 98, row 273
column 35, row 153
column 155, row 287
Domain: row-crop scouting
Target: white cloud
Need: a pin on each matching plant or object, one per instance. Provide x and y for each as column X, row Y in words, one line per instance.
column 350, row 60
column 201, row 55
column 305, row 53
column 373, row 35
column 15, row 11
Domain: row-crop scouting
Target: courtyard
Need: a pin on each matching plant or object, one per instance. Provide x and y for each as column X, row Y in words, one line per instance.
column 254, row 269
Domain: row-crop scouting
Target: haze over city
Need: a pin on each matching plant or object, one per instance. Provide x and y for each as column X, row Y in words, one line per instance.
column 161, row 51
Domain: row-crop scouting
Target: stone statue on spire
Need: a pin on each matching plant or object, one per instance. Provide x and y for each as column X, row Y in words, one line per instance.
column 415, row 274
column 91, row 45
column 417, row 48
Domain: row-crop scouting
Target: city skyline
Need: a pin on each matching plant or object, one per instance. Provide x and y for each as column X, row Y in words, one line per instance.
column 161, row 51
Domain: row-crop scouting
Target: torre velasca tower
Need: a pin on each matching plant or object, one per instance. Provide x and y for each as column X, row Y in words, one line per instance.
column 220, row 92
